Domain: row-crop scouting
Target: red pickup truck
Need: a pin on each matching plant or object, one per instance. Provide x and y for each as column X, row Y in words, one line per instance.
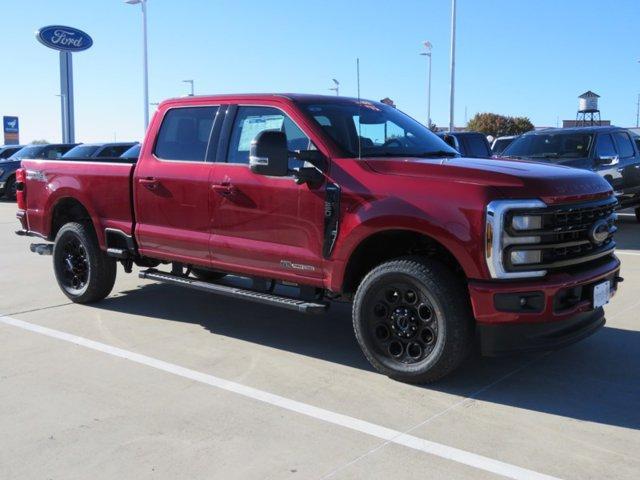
column 347, row 200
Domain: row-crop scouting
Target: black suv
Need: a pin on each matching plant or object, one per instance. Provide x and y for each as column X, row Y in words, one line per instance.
column 469, row 144
column 608, row 151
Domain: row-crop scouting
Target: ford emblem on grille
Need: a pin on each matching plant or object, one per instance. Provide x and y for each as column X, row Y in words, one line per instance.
column 599, row 232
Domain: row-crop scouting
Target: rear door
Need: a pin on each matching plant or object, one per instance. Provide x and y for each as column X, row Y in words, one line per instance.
column 171, row 187
column 268, row 225
column 629, row 161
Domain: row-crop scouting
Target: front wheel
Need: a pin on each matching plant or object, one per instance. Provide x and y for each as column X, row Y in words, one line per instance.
column 83, row 271
column 412, row 319
column 10, row 189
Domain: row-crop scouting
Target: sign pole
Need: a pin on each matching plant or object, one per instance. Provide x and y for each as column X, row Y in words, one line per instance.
column 66, row 92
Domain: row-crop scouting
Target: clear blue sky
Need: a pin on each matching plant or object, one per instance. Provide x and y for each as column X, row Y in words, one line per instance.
column 524, row 57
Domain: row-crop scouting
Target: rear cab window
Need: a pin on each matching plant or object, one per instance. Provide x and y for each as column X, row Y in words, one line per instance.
column 624, row 144
column 185, row 133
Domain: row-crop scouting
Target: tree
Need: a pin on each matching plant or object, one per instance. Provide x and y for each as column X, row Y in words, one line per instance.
column 40, row 142
column 499, row 125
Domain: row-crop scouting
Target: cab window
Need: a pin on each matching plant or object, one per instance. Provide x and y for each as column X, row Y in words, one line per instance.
column 250, row 121
column 184, row 134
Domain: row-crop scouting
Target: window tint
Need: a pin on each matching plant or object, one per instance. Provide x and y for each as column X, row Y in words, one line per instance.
column 604, row 146
column 184, row 133
column 250, row 121
column 81, row 151
column 53, row 153
column 625, row 147
column 113, row 151
column 477, row 146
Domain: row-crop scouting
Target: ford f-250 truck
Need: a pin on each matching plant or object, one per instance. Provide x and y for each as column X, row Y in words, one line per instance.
column 347, row 200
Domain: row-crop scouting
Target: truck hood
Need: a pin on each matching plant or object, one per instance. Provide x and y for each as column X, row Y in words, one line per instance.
column 512, row 178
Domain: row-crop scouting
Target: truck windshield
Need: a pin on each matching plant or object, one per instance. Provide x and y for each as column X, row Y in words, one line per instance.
column 371, row 129
column 550, row 146
column 81, row 151
column 27, row 152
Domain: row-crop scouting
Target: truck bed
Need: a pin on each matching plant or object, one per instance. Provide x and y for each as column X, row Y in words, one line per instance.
column 103, row 188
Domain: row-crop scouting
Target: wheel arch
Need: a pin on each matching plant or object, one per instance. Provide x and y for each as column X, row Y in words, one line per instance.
column 385, row 245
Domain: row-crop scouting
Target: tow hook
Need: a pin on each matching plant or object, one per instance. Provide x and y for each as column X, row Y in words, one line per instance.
column 42, row 248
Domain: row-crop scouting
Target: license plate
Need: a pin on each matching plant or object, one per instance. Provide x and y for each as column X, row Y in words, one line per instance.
column 601, row 294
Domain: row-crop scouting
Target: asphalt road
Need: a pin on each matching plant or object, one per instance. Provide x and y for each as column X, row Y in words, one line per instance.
column 158, row 382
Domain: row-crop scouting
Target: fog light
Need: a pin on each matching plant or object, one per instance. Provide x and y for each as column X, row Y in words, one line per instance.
column 525, row 257
column 527, row 222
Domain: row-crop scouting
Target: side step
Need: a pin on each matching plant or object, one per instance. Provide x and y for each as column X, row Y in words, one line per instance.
column 235, row 292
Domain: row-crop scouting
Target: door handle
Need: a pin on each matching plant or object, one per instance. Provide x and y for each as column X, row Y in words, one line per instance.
column 226, row 190
column 149, row 182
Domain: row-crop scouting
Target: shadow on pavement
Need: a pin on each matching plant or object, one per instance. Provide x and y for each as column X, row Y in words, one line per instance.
column 628, row 235
column 597, row 380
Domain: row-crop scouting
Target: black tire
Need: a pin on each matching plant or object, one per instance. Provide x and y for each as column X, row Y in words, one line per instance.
column 638, row 214
column 413, row 320
column 207, row 275
column 10, row 188
column 84, row 273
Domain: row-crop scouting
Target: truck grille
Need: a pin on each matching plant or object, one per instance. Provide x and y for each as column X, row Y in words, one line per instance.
column 569, row 235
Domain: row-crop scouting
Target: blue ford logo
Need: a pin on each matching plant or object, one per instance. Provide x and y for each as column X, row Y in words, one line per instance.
column 599, row 232
column 67, row 39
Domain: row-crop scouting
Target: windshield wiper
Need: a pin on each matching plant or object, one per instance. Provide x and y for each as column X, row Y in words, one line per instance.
column 436, row 154
column 511, row 157
column 545, row 155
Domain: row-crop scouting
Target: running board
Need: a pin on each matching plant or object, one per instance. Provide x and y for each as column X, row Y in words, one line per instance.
column 235, row 292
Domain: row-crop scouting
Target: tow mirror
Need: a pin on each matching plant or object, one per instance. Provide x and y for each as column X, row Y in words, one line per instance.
column 269, row 154
column 451, row 141
column 608, row 160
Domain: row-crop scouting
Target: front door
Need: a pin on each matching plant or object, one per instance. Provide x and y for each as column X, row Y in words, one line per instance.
column 267, row 226
column 171, row 188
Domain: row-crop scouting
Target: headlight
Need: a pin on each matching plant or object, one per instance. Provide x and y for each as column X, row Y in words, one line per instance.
column 526, row 222
column 497, row 238
column 525, row 257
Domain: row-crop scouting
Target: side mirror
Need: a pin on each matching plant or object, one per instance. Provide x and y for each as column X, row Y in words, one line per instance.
column 451, row 141
column 608, row 160
column 269, row 154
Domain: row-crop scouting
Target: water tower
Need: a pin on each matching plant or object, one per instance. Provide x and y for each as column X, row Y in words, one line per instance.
column 588, row 113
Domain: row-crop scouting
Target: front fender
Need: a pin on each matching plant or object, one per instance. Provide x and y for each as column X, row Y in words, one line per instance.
column 459, row 230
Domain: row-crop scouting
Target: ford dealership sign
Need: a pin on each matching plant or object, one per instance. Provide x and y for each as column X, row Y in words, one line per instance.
column 64, row 38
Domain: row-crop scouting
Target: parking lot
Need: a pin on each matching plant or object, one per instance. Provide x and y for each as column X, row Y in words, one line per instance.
column 161, row 382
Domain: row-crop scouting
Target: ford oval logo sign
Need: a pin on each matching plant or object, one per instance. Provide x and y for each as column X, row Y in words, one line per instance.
column 67, row 39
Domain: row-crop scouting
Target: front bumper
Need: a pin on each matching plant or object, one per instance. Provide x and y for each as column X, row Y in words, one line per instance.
column 560, row 310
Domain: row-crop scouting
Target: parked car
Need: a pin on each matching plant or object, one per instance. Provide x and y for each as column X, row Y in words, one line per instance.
column 7, row 150
column 133, row 153
column 469, row 144
column 98, row 150
column 609, row 151
column 431, row 249
column 9, row 166
column 500, row 143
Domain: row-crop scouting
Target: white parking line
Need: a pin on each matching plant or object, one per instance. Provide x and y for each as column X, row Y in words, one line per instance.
column 384, row 433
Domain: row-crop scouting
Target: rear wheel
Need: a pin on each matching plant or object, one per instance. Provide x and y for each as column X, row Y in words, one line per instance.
column 10, row 188
column 412, row 319
column 83, row 271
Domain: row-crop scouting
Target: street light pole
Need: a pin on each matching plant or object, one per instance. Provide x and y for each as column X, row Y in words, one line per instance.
column 143, row 4
column 191, row 83
column 453, row 66
column 336, row 88
column 427, row 53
